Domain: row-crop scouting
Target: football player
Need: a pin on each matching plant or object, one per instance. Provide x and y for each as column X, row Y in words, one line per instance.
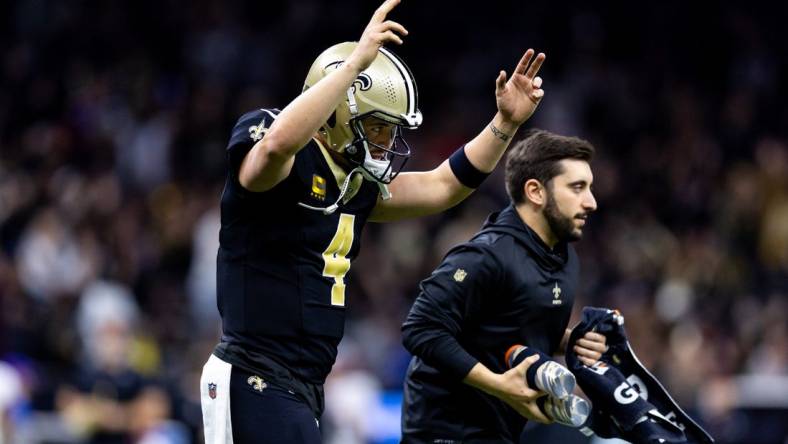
column 301, row 184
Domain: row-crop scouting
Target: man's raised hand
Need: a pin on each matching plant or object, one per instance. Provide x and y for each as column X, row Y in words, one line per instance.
column 518, row 97
column 378, row 32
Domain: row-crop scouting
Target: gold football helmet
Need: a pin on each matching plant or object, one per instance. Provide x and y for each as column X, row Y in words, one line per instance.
column 386, row 90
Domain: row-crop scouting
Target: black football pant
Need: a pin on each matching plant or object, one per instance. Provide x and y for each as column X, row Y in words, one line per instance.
column 264, row 414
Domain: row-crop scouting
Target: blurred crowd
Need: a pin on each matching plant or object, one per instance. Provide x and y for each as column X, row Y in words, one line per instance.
column 114, row 117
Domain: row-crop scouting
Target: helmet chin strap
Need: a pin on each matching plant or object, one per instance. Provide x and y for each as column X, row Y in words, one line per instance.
column 385, row 194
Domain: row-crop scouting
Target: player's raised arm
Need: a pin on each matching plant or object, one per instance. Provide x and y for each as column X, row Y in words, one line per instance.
column 455, row 179
column 271, row 159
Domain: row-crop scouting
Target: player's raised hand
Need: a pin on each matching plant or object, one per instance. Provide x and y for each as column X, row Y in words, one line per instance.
column 518, row 97
column 378, row 32
column 515, row 391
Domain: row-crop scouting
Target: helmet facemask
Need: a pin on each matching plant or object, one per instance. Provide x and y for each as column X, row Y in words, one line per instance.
column 360, row 151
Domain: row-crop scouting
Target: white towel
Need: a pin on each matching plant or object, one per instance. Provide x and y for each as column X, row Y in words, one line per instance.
column 215, row 401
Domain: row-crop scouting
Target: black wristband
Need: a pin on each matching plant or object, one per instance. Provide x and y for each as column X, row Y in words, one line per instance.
column 464, row 170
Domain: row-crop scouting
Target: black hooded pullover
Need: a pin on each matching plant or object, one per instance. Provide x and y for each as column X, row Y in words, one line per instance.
column 503, row 287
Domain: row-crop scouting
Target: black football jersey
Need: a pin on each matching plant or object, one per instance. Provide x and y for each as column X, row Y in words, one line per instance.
column 282, row 268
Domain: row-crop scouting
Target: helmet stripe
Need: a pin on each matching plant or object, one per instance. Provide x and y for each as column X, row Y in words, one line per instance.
column 410, row 87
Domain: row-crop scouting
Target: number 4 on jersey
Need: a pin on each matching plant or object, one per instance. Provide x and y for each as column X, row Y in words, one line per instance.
column 335, row 258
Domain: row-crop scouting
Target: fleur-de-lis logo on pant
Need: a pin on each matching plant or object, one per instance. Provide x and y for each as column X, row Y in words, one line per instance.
column 257, row 383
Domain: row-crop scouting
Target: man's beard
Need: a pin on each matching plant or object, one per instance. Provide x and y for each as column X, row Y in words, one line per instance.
column 563, row 227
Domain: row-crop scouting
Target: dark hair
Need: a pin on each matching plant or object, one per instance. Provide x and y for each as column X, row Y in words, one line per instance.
column 538, row 156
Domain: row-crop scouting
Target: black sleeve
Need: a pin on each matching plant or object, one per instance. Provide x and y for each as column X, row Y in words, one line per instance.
column 446, row 301
column 249, row 129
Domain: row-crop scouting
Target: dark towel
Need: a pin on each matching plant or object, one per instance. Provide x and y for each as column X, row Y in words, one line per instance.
column 628, row 401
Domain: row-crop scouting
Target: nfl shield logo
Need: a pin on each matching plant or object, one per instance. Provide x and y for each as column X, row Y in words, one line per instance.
column 212, row 390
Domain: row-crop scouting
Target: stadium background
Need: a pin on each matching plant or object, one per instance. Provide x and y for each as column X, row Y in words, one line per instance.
column 113, row 121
